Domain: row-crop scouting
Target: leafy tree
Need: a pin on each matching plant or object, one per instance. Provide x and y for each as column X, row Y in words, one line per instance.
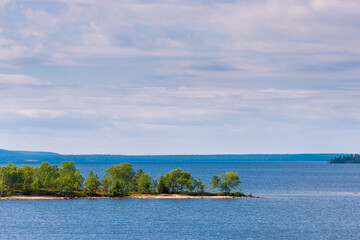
column 69, row 178
column 2, row 180
column 214, row 183
column 46, row 175
column 154, row 185
column 161, row 187
column 118, row 188
column 198, row 185
column 185, row 182
column 178, row 181
column 229, row 181
column 36, row 185
column 123, row 172
column 28, row 173
column 202, row 188
column 15, row 178
column 12, row 177
column 106, row 184
column 92, row 182
column 226, row 183
column 144, row 183
column 26, row 186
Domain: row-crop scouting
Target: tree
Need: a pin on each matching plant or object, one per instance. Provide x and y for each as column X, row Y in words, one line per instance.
column 202, row 188
column 26, row 186
column 106, row 184
column 178, row 181
column 214, row 183
column 118, row 188
column 92, row 182
column 46, row 175
column 185, row 181
column 13, row 177
column 161, row 187
column 69, row 178
column 229, row 181
column 123, row 172
column 2, row 180
column 28, row 173
column 198, row 185
column 36, row 185
column 154, row 185
column 144, row 183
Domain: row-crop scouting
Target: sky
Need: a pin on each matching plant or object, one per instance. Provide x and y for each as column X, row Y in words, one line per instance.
column 180, row 77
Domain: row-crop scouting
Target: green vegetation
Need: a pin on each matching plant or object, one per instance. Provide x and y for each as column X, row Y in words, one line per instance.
column 119, row 180
column 92, row 182
column 352, row 158
column 226, row 183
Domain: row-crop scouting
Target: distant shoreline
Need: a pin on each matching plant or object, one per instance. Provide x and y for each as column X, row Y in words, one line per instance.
column 134, row 196
column 31, row 157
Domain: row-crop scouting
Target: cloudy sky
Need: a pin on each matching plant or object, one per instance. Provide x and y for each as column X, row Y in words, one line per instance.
column 180, row 77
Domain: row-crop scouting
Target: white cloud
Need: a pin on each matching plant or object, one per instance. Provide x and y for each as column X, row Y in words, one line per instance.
column 90, row 29
column 40, row 113
column 18, row 79
column 217, row 66
column 141, row 115
column 4, row 2
column 181, row 106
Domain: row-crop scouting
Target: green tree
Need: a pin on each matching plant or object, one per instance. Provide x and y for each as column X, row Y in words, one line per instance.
column 123, row 172
column 118, row 188
column 178, row 181
column 185, row 182
column 69, row 178
column 161, row 187
column 229, row 181
column 154, row 185
column 92, row 182
column 106, row 184
column 144, row 183
column 202, row 188
column 214, row 183
column 26, row 186
column 2, row 180
column 199, row 185
column 36, row 185
column 47, row 175
column 28, row 173
column 14, row 177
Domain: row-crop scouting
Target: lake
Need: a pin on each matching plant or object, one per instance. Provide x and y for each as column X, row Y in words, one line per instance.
column 300, row 200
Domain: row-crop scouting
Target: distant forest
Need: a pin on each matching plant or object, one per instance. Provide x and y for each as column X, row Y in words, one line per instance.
column 352, row 158
column 23, row 157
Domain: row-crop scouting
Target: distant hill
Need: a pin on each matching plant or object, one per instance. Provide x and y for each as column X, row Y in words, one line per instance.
column 220, row 158
column 24, row 157
column 22, row 153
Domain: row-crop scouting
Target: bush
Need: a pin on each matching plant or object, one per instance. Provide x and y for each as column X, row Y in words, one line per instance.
column 238, row 194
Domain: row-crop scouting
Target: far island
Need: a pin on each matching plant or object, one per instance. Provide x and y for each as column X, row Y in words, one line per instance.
column 351, row 158
column 120, row 181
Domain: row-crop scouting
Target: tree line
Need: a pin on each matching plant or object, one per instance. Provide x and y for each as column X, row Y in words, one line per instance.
column 119, row 180
column 351, row 158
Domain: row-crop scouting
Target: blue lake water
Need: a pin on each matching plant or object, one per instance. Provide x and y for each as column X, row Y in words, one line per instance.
column 301, row 200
